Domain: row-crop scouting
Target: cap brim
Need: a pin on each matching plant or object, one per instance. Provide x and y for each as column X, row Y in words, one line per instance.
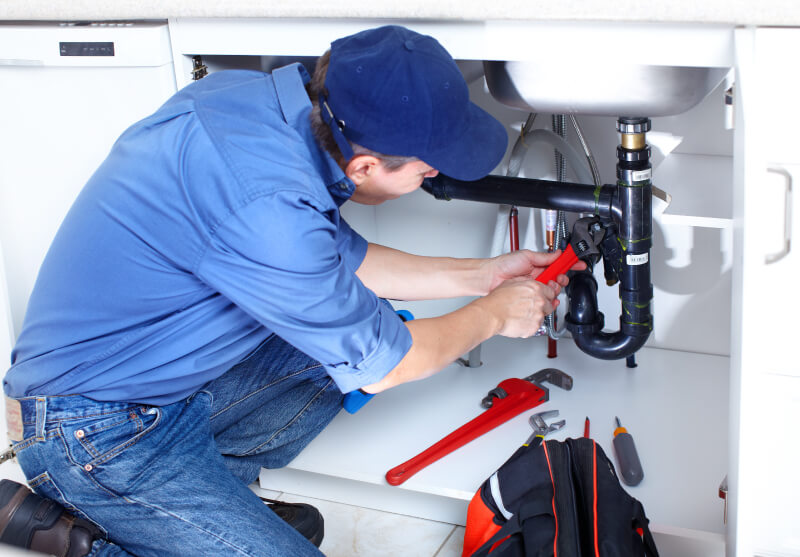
column 474, row 152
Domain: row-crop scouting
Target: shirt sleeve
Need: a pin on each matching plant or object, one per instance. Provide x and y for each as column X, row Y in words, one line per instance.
column 290, row 264
column 351, row 245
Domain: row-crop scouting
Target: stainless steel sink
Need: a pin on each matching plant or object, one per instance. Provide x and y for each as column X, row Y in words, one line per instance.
column 606, row 89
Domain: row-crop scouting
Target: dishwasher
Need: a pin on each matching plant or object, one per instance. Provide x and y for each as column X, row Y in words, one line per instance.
column 68, row 91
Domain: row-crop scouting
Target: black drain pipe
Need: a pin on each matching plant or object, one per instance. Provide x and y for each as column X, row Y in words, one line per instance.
column 628, row 205
column 633, row 217
column 526, row 192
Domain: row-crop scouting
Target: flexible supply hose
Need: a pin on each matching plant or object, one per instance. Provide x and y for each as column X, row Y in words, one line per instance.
column 560, row 229
column 572, row 156
column 587, row 151
column 520, row 147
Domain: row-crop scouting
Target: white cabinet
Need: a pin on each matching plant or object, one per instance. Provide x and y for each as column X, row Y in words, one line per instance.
column 765, row 372
column 68, row 92
column 676, row 402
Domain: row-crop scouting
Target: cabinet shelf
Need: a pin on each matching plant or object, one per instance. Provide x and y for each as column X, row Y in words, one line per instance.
column 700, row 187
column 674, row 404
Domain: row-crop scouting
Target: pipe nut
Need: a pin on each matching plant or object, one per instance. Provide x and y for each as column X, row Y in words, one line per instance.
column 633, row 125
column 638, row 155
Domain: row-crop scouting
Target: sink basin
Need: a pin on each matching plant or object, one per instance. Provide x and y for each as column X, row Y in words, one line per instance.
column 604, row 89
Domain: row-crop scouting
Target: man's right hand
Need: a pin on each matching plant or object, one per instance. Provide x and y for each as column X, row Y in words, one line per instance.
column 520, row 305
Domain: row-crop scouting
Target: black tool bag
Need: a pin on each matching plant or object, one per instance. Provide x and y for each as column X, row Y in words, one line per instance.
column 557, row 499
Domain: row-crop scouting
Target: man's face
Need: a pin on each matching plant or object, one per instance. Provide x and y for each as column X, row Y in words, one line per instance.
column 375, row 184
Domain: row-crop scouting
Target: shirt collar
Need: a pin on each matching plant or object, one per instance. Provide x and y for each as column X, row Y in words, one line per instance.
column 290, row 82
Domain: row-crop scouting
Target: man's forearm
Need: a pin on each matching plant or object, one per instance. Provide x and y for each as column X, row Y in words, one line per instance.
column 439, row 341
column 398, row 275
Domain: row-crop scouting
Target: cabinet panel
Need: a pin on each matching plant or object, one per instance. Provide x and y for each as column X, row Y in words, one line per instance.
column 765, row 382
column 775, row 527
column 60, row 117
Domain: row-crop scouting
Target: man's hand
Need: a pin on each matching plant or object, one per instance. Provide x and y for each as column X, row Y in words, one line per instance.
column 522, row 263
column 513, row 304
column 519, row 305
column 515, row 308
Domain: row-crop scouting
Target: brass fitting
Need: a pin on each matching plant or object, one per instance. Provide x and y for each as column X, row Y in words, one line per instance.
column 633, row 131
column 550, row 239
column 633, row 141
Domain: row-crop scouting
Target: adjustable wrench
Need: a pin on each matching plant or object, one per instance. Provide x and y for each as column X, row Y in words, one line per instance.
column 510, row 398
column 542, row 428
column 587, row 233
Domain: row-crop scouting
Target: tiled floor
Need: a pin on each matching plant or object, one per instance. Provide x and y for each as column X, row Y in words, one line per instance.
column 349, row 531
column 355, row 531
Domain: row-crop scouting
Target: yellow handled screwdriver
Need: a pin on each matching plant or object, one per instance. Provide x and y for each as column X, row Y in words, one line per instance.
column 630, row 468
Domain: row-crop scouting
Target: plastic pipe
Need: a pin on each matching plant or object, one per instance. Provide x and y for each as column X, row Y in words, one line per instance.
column 585, row 323
column 527, row 192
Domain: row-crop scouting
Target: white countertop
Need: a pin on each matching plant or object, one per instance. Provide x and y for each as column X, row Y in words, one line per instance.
column 739, row 12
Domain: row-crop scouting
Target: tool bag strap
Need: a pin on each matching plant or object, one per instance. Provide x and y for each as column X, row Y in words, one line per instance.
column 641, row 522
column 535, row 514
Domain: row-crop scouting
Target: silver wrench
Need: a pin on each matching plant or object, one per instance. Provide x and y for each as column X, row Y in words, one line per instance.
column 542, row 428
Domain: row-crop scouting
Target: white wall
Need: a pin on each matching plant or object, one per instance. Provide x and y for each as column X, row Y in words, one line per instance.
column 10, row 469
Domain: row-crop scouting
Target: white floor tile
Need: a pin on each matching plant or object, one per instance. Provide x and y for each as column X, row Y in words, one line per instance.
column 9, row 551
column 10, row 470
column 354, row 531
column 454, row 544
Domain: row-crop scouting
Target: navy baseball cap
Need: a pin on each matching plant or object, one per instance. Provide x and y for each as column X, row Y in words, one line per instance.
column 400, row 93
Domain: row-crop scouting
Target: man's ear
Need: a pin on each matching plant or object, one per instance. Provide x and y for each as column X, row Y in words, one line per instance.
column 361, row 167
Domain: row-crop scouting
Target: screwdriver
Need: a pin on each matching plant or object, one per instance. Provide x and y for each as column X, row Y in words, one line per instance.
column 630, row 469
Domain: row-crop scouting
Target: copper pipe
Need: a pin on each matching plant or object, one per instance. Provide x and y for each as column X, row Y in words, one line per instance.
column 513, row 228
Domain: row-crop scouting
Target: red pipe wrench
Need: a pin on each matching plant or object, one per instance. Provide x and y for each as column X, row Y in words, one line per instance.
column 510, row 398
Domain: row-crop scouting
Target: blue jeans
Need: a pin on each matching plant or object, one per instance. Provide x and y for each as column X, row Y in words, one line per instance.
column 172, row 480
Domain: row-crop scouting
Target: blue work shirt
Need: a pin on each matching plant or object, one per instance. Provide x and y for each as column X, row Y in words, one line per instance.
column 212, row 224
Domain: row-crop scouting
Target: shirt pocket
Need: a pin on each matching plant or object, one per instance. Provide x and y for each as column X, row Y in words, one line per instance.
column 97, row 440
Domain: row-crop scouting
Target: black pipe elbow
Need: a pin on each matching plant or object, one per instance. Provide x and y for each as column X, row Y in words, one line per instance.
column 585, row 323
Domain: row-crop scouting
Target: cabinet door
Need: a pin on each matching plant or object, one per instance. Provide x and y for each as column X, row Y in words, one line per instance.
column 766, row 375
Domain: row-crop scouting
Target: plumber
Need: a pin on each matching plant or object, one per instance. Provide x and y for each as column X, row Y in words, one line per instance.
column 204, row 308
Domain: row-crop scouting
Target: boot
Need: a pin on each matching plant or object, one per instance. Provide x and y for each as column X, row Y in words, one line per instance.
column 304, row 518
column 33, row 522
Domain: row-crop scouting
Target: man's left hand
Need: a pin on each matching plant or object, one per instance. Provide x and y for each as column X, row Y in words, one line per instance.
column 523, row 263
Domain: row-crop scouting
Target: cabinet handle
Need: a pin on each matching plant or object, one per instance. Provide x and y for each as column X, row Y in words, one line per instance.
column 787, row 217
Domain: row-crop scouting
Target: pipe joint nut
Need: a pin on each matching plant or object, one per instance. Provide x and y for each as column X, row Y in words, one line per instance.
column 633, row 155
column 581, row 329
column 628, row 124
column 643, row 295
